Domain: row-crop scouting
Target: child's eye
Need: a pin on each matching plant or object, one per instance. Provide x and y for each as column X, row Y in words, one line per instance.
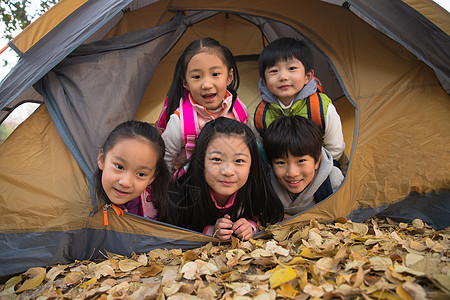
column 120, row 167
column 216, row 159
column 273, row 71
column 215, row 74
column 196, row 77
column 141, row 174
column 280, row 163
column 301, row 161
column 240, row 161
column 293, row 68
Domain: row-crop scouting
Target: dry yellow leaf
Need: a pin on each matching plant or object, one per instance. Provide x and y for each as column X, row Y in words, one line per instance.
column 127, row 265
column 35, row 278
column 380, row 263
column 91, row 282
column 189, row 270
column 281, row 276
column 287, row 290
column 383, row 295
column 103, row 271
column 412, row 290
column 418, row 224
column 54, row 271
column 308, row 253
column 273, row 248
column 73, row 278
column 257, row 253
column 412, row 258
column 314, row 238
column 416, row 246
column 313, row 290
column 402, row 269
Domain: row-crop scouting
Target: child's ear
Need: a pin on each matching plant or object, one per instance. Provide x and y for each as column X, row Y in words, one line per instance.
column 309, row 76
column 230, row 77
column 316, row 166
column 185, row 85
column 100, row 159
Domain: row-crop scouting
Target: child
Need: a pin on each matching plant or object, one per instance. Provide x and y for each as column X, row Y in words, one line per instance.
column 203, row 88
column 288, row 87
column 131, row 170
column 224, row 190
column 302, row 170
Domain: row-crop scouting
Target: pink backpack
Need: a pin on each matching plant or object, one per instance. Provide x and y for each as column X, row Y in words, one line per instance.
column 188, row 119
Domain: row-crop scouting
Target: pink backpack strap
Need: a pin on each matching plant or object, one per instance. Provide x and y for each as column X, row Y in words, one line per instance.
column 188, row 120
column 240, row 111
column 161, row 124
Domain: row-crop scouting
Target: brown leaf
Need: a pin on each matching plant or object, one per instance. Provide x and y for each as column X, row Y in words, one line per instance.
column 35, row 278
column 73, row 278
column 127, row 265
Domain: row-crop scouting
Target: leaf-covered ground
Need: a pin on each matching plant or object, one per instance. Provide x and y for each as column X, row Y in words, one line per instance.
column 379, row 259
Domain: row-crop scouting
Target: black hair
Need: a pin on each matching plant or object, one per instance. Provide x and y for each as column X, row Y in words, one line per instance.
column 139, row 130
column 191, row 197
column 176, row 90
column 292, row 134
column 283, row 49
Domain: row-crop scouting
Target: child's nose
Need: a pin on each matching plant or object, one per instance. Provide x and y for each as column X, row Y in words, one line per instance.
column 227, row 169
column 283, row 75
column 292, row 171
column 126, row 180
column 206, row 84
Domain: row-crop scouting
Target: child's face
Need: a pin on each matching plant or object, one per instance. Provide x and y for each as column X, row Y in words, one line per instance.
column 286, row 78
column 227, row 165
column 295, row 172
column 128, row 168
column 207, row 78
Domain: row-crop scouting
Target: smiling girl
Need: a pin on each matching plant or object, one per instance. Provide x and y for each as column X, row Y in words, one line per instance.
column 203, row 88
column 131, row 171
column 224, row 190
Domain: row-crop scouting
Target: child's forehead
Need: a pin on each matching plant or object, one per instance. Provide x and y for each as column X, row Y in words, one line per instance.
column 289, row 155
column 287, row 59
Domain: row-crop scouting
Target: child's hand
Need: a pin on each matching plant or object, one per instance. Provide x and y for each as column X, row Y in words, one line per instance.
column 222, row 229
column 243, row 229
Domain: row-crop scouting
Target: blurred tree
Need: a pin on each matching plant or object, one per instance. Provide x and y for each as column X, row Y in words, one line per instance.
column 18, row 14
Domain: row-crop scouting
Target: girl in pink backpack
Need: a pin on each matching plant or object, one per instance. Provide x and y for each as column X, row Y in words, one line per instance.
column 203, row 88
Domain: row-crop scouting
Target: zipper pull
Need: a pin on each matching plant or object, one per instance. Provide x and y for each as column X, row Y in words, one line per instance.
column 118, row 210
column 105, row 214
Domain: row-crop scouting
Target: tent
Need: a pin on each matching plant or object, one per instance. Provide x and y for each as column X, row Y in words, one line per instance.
column 95, row 63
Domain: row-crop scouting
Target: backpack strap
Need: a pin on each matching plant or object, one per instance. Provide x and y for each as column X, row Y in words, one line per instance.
column 315, row 110
column 260, row 117
column 240, row 111
column 323, row 191
column 187, row 120
column 161, row 124
column 319, row 85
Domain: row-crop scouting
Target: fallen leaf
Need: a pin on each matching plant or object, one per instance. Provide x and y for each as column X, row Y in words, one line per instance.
column 418, row 224
column 73, row 278
column 412, row 258
column 313, row 290
column 189, row 270
column 127, row 265
column 281, row 276
column 287, row 290
column 103, row 271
